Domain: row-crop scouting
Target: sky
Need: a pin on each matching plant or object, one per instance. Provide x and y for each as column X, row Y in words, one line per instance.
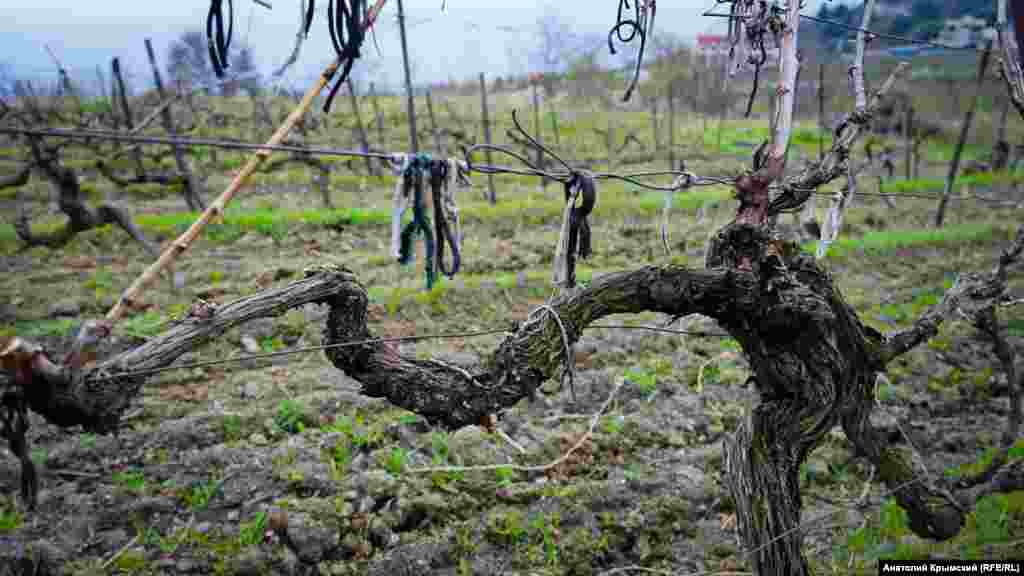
column 491, row 36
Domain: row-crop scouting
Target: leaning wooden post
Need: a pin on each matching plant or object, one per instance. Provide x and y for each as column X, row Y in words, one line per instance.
column 414, row 142
column 181, row 244
column 821, row 111
column 118, row 80
column 538, row 133
column 610, row 141
column 725, row 107
column 192, row 195
column 438, row 143
column 954, row 165
column 378, row 116
column 908, row 128
column 654, row 124
column 671, row 125
column 410, row 105
column 102, row 82
column 487, row 138
column 554, row 122
column 364, row 142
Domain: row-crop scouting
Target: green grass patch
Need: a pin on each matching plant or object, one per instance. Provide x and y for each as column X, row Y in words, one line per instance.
column 884, row 242
column 982, row 179
column 50, row 327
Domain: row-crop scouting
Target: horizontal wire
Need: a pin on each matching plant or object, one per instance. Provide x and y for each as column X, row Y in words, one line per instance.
column 694, row 180
column 853, row 28
column 290, row 352
column 305, row 349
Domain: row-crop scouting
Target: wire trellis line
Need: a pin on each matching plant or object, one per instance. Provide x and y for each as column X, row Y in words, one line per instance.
column 304, row 349
column 684, row 179
column 853, row 28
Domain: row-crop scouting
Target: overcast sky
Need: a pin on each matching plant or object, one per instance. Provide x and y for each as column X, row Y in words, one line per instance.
column 460, row 44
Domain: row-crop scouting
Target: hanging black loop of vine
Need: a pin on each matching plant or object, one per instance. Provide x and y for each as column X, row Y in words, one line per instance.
column 640, row 26
column 442, row 228
column 217, row 41
column 345, row 20
column 309, row 17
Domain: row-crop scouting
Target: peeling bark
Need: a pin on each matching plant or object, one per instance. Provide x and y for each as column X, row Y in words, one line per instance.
column 80, row 216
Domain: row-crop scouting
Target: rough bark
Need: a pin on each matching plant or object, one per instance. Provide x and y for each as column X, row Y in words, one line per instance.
column 80, row 216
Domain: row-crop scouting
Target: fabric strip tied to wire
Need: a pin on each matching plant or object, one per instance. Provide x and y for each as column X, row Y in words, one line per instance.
column 574, row 237
column 399, row 201
column 682, row 183
column 420, row 221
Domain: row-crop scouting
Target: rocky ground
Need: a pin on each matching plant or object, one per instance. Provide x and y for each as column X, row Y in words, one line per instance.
column 281, row 466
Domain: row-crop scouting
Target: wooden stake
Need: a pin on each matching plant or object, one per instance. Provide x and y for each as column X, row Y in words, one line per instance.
column 193, row 197
column 438, row 144
column 487, row 138
column 672, row 125
column 908, row 128
column 378, row 116
column 821, row 111
column 410, row 105
column 364, row 142
column 118, row 80
column 537, row 132
column 414, row 143
column 654, row 124
column 965, row 128
column 102, row 81
column 181, row 244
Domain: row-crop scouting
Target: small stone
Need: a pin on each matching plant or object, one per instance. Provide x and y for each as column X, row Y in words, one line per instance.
column 65, row 308
column 278, row 521
column 258, row 439
column 313, row 543
column 49, row 553
column 113, row 539
column 250, row 390
column 380, row 535
column 251, row 562
column 250, row 345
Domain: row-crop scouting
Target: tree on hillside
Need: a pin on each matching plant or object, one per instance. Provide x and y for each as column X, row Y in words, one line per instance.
column 188, row 63
column 552, row 48
column 6, row 80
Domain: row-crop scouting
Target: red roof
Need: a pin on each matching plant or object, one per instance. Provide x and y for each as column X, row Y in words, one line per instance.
column 710, row 39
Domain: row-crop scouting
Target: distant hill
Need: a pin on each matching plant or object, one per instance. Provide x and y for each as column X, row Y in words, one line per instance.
column 917, row 19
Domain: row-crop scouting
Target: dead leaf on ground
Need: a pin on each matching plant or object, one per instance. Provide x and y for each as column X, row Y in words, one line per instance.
column 195, row 392
column 279, row 374
column 80, row 262
column 264, row 279
column 727, row 521
column 376, row 312
column 729, row 565
column 211, row 293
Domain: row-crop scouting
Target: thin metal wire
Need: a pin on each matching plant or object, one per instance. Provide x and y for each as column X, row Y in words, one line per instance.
column 889, row 36
column 305, row 349
column 858, row 29
column 120, row 137
column 290, row 352
column 529, row 170
column 926, row 196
